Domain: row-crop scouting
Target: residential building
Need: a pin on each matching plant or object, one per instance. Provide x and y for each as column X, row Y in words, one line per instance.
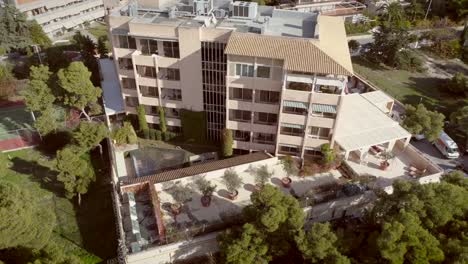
column 275, row 77
column 57, row 17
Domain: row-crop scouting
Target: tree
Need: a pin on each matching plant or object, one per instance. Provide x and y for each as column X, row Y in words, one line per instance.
column 262, row 175
column 75, row 172
column 125, row 134
column 460, row 119
column 14, row 29
column 403, row 240
column 38, row 36
column 46, row 122
column 232, row 180
column 458, row 84
column 289, row 165
column 142, row 123
column 102, row 48
column 227, row 143
column 56, row 59
column 205, row 186
column 419, row 120
column 79, row 90
column 353, row 45
column 319, row 245
column 38, row 95
column 90, row 134
column 7, row 81
column 162, row 120
column 456, row 178
column 328, row 154
column 22, row 219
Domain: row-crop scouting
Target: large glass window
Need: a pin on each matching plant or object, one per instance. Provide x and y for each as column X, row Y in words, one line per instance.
column 171, row 94
column 239, row 115
column 171, row 49
column 148, row 46
column 149, row 91
column 131, row 101
column 266, row 97
column 264, row 138
column 169, row 74
column 151, row 110
column 125, row 64
column 146, row 71
column 292, row 129
column 298, row 86
column 288, row 149
column 265, row 118
column 126, row 42
column 245, row 70
column 263, row 72
column 319, row 132
column 128, row 83
column 240, row 135
column 172, row 112
column 241, row 94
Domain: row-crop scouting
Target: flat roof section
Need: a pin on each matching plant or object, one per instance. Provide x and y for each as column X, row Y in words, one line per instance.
column 113, row 101
column 361, row 124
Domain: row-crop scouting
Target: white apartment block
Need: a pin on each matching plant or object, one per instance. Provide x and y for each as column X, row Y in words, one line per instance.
column 276, row 78
column 59, row 16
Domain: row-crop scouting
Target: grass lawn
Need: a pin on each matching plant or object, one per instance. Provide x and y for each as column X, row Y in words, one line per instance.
column 409, row 87
column 78, row 229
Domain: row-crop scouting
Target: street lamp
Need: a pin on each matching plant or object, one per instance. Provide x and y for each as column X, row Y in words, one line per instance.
column 37, row 49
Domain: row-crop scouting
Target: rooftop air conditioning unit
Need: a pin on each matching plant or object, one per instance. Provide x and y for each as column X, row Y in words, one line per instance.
column 243, row 9
column 219, row 13
column 201, row 7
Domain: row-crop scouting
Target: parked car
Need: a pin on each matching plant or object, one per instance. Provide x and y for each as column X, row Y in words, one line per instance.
column 447, row 146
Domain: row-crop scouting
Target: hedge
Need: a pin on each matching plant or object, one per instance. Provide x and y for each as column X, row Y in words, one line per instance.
column 193, row 126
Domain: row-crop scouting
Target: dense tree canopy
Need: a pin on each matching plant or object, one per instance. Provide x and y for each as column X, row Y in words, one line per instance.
column 460, row 119
column 89, row 134
column 38, row 95
column 22, row 218
column 419, row 120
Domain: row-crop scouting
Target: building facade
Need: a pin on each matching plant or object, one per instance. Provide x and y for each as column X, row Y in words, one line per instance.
column 274, row 77
column 57, row 17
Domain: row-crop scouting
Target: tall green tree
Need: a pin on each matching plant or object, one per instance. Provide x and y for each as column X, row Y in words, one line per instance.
column 75, row 172
column 22, row 219
column 47, row 121
column 142, row 123
column 227, row 143
column 13, row 29
column 79, row 90
column 102, row 48
column 38, row 35
column 90, row 134
column 460, row 119
column 38, row 95
column 7, row 81
column 419, row 120
column 458, row 84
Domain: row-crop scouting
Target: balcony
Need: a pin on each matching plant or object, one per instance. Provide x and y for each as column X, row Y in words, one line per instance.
column 298, row 86
column 290, row 140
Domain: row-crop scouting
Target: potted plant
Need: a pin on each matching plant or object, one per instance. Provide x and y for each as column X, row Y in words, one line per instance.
column 180, row 194
column 261, row 176
column 207, row 189
column 290, row 167
column 387, row 155
column 232, row 181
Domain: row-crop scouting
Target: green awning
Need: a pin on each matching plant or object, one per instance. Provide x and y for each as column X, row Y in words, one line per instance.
column 292, row 125
column 324, row 108
column 296, row 104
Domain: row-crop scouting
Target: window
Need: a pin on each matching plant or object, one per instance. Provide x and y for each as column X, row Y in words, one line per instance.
column 128, row 83
column 151, row 110
column 264, row 138
column 319, row 132
column 263, row 72
column 297, row 108
column 288, row 149
column 149, row 46
column 125, row 64
column 171, row 49
column 131, row 101
column 174, row 129
column 245, row 70
column 240, row 135
column 241, row 94
column 126, row 42
column 265, row 118
column 267, row 97
column 149, row 91
column 298, row 86
column 171, row 94
column 292, row 129
column 323, row 110
column 329, row 89
column 146, row 71
column 172, row 112
column 313, row 152
column 240, row 115
column 169, row 74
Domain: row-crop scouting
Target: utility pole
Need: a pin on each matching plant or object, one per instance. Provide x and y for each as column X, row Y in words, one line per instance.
column 428, row 8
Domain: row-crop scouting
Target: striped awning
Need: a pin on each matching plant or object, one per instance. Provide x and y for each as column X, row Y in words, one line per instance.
column 296, row 104
column 324, row 108
column 292, row 125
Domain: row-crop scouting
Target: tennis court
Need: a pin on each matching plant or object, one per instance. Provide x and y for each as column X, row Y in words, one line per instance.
column 16, row 128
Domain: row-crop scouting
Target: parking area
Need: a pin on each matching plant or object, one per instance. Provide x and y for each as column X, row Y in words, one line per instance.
column 435, row 156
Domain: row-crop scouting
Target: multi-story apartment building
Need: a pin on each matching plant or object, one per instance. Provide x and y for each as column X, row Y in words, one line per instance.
column 276, row 78
column 57, row 17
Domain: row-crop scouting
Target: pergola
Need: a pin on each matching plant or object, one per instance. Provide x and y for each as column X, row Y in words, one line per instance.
column 362, row 124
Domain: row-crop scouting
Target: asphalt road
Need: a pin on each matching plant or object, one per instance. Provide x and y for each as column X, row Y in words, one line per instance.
column 433, row 154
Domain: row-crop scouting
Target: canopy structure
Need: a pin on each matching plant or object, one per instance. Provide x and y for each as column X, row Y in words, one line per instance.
column 362, row 124
column 380, row 99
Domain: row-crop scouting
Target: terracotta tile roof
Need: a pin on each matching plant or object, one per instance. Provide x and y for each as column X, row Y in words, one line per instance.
column 298, row 54
column 198, row 169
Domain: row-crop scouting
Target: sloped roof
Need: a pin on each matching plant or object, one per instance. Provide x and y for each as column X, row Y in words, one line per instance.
column 298, row 54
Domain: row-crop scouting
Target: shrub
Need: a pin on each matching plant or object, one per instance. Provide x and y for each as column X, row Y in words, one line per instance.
column 162, row 120
column 328, row 154
column 146, row 133
column 180, row 193
column 142, row 118
column 152, row 134
column 125, row 134
column 356, row 28
column 168, row 135
column 458, row 84
column 205, row 186
column 289, row 165
column 353, row 45
column 158, row 134
column 232, row 180
column 227, row 143
column 408, row 60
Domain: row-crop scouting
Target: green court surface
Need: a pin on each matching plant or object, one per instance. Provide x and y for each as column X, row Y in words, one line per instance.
column 13, row 120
